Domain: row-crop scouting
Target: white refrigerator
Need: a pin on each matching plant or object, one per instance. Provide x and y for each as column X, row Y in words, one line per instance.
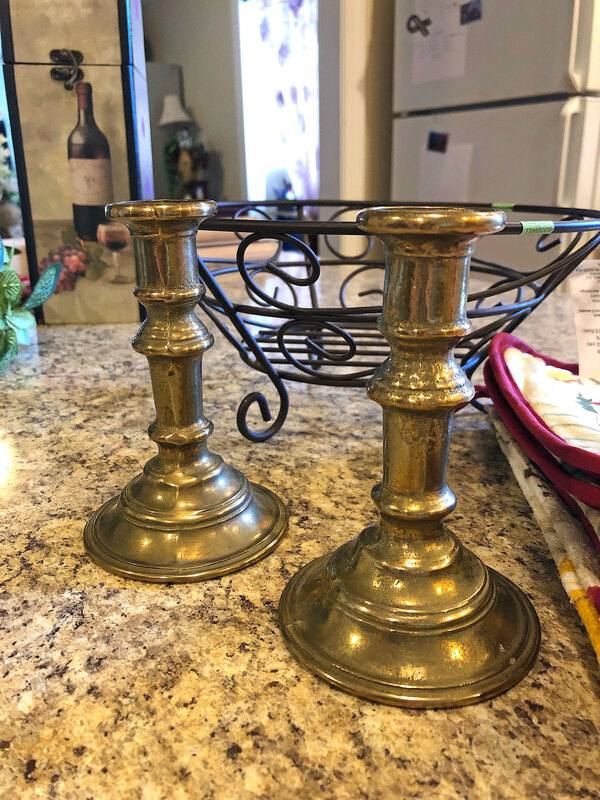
column 497, row 101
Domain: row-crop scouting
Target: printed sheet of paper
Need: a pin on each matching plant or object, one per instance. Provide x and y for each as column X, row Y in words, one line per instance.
column 442, row 53
column 584, row 287
column 444, row 177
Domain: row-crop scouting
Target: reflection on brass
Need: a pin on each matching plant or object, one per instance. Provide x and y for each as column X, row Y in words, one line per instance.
column 404, row 614
column 189, row 516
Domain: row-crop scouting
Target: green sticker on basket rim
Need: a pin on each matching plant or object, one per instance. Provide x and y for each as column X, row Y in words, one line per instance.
column 504, row 206
column 543, row 226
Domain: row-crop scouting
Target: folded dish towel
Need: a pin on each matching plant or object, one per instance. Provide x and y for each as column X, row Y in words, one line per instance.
column 530, row 402
column 546, row 414
column 561, row 409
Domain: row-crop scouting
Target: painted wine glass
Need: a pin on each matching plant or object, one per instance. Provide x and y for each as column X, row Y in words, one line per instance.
column 115, row 237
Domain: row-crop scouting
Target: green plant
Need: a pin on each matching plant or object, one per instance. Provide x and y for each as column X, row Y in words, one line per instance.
column 15, row 314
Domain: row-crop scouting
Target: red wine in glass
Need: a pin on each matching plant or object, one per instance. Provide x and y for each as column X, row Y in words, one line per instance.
column 115, row 237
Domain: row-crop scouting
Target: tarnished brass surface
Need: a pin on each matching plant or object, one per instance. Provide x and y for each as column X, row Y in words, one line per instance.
column 189, row 516
column 404, row 614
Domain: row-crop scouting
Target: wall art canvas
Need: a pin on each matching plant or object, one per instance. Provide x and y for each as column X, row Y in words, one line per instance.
column 81, row 149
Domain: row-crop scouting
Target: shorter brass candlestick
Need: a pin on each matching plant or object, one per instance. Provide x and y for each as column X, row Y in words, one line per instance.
column 404, row 614
column 189, row 516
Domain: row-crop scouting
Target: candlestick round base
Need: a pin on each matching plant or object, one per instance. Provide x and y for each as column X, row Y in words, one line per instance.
column 334, row 620
column 162, row 551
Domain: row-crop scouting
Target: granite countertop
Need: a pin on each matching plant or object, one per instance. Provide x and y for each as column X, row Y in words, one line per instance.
column 113, row 688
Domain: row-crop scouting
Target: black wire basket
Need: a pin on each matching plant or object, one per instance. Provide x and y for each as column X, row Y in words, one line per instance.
column 292, row 299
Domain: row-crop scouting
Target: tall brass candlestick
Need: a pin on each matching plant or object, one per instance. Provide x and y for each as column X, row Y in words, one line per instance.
column 404, row 614
column 189, row 515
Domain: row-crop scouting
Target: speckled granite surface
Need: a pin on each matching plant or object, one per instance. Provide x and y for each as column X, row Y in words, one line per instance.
column 117, row 689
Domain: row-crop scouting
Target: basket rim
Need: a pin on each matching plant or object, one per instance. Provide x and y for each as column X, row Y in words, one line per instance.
column 581, row 219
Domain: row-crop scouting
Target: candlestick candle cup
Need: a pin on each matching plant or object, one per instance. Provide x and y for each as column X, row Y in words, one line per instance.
column 189, row 515
column 404, row 614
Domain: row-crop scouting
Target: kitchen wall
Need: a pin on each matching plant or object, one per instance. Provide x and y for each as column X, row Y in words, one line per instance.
column 356, row 72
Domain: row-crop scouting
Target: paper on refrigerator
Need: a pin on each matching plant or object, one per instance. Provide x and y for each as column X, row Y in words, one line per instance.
column 442, row 52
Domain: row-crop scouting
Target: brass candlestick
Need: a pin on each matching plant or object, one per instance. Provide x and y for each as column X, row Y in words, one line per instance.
column 189, row 516
column 404, row 614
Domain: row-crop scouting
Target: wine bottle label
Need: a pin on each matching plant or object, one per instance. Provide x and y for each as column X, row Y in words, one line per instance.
column 91, row 181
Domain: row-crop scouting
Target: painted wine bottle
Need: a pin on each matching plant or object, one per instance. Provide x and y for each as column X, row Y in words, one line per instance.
column 89, row 167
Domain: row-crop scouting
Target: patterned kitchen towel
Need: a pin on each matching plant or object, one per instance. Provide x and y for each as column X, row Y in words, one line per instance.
column 574, row 485
column 578, row 564
column 560, row 409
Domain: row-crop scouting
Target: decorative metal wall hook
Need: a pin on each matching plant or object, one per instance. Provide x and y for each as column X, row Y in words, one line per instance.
column 68, row 71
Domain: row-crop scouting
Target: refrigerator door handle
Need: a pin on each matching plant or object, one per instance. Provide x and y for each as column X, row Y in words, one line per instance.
column 572, row 107
column 574, row 77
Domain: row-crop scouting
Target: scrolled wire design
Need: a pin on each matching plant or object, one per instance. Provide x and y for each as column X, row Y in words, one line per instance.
column 300, row 339
column 315, row 345
column 248, row 272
